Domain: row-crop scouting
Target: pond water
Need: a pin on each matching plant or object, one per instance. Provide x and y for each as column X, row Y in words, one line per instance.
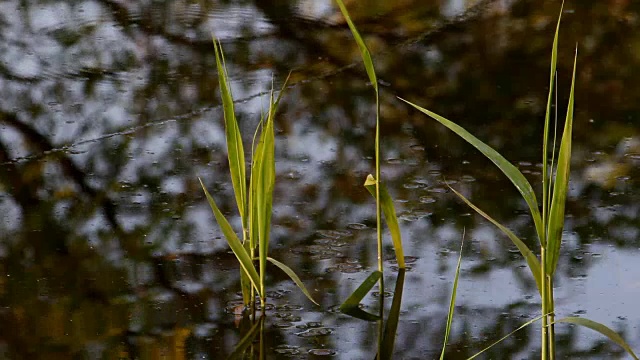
column 109, row 113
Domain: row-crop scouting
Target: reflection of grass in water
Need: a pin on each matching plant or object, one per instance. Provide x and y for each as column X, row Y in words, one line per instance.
column 255, row 202
column 550, row 222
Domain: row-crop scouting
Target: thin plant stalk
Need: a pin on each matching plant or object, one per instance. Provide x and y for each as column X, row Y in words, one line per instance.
column 544, row 328
column 549, row 225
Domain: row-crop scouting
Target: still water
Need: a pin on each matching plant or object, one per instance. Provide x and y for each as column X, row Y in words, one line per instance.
column 109, row 113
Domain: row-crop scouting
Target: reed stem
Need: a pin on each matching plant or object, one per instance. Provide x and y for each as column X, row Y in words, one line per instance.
column 545, row 310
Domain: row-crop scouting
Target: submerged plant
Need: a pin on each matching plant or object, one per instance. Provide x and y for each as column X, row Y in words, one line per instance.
column 255, row 202
column 550, row 222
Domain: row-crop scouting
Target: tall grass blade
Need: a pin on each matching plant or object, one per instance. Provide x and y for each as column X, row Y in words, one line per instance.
column 391, row 327
column 351, row 306
column 364, row 51
column 253, row 184
column 602, row 329
column 561, row 185
column 246, row 340
column 368, row 64
column 235, row 149
column 264, row 168
column 287, row 270
column 532, row 260
column 234, row 242
column 545, row 137
column 503, row 164
column 452, row 302
column 389, row 211
column 508, row 335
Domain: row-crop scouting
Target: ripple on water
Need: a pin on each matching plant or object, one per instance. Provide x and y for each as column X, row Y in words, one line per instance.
column 322, row 352
column 315, row 332
column 287, row 350
column 334, row 234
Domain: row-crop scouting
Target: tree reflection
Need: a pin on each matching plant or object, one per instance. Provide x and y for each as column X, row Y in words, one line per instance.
column 109, row 113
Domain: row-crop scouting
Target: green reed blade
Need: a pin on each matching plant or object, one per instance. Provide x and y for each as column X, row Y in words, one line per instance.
column 452, row 302
column 235, row 149
column 391, row 327
column 265, row 176
column 364, row 51
column 503, row 164
column 390, row 216
column 351, row 306
column 368, row 64
column 234, row 242
column 602, row 329
column 256, row 149
column 561, row 185
column 532, row 260
column 293, row 277
column 508, row 335
column 246, row 340
column 245, row 281
column 545, row 137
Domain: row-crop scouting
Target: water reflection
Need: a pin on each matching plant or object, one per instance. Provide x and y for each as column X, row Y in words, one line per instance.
column 109, row 112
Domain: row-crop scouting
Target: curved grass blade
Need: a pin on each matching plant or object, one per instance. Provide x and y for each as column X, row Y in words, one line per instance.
column 234, row 243
column 390, row 216
column 293, row 277
column 364, row 51
column 246, row 340
column 351, row 306
column 391, row 327
column 532, row 260
column 235, row 149
column 514, row 175
column 602, row 329
column 506, row 336
column 452, row 302
column 561, row 185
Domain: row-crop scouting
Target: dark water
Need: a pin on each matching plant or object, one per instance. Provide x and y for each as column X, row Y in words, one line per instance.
column 109, row 112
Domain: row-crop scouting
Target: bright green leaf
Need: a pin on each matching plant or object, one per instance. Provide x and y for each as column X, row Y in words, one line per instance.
column 364, row 51
column 235, row 149
column 390, row 216
column 561, row 186
column 503, row 164
column 602, row 329
column 293, row 277
column 532, row 260
column 545, row 138
column 234, row 243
